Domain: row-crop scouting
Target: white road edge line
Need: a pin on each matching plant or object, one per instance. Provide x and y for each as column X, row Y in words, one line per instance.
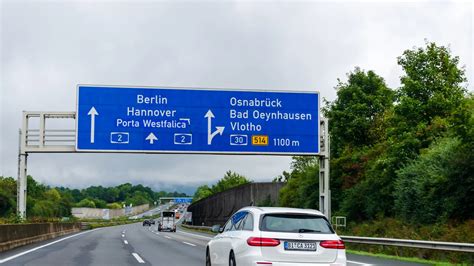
column 187, row 243
column 45, row 245
column 126, row 242
column 358, row 263
column 138, row 258
column 201, row 236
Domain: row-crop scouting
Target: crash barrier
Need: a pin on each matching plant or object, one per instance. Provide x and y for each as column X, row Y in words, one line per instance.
column 446, row 246
column 15, row 235
column 94, row 213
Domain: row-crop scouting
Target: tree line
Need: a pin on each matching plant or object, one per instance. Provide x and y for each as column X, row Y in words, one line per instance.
column 230, row 180
column 406, row 152
column 46, row 201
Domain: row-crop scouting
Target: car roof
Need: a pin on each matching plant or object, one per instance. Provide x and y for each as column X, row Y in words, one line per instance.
column 263, row 210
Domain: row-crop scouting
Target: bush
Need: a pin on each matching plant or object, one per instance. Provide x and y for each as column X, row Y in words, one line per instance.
column 395, row 228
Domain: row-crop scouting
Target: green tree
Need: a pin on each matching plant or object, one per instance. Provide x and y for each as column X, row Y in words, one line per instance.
column 230, row 180
column 302, row 184
column 203, row 191
column 439, row 184
column 353, row 116
column 52, row 195
column 87, row 203
column 357, row 124
column 7, row 196
column 432, row 89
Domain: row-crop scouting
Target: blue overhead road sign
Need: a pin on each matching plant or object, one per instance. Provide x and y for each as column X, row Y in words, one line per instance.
column 183, row 200
column 184, row 120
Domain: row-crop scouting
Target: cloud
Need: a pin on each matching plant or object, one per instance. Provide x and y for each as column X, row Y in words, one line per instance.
column 47, row 48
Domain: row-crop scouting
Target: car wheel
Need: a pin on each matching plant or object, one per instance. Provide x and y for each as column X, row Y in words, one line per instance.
column 232, row 259
column 208, row 258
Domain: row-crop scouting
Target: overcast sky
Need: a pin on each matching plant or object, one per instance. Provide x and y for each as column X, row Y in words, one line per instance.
column 48, row 47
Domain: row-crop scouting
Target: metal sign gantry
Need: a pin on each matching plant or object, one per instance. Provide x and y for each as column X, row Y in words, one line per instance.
column 47, row 139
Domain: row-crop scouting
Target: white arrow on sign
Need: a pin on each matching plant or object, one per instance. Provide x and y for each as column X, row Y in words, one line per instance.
column 92, row 112
column 219, row 130
column 151, row 137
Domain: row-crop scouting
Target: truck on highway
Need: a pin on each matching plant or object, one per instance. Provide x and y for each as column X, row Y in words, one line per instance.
column 167, row 221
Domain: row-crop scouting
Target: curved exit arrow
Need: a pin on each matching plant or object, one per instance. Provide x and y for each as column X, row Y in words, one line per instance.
column 219, row 130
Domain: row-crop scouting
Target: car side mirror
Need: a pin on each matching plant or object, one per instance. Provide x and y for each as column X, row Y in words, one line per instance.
column 216, row 228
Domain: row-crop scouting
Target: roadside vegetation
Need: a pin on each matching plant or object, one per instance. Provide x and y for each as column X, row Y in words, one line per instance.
column 402, row 160
column 45, row 203
column 230, row 180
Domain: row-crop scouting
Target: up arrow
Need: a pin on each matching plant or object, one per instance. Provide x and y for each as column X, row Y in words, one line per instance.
column 210, row 135
column 151, row 137
column 92, row 112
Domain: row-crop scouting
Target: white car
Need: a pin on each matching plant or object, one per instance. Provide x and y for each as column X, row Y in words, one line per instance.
column 276, row 236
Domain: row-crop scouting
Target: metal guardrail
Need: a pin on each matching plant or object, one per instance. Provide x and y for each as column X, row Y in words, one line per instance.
column 447, row 246
column 197, row 227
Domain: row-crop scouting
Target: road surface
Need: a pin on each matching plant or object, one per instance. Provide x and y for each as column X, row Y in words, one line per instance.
column 130, row 244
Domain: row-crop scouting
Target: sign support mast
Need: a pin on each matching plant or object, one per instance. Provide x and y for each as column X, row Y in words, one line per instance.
column 324, row 185
column 22, row 172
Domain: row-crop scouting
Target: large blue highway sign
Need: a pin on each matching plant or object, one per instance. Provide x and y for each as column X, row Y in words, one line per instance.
column 183, row 200
column 184, row 120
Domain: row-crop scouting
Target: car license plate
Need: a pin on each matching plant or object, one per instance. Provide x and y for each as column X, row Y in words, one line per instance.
column 305, row 246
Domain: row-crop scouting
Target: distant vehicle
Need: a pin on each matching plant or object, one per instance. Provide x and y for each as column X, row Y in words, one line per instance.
column 177, row 214
column 148, row 222
column 167, row 221
column 276, row 236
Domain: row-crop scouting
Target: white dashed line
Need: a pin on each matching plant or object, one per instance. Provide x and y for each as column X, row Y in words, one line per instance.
column 123, row 235
column 138, row 258
column 195, row 235
column 157, row 233
column 126, row 242
column 358, row 263
column 168, row 237
column 190, row 244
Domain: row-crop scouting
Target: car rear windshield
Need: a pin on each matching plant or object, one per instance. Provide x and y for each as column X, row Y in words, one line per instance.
column 295, row 223
column 168, row 214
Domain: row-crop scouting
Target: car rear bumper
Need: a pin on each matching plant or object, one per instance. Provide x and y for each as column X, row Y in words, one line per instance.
column 256, row 260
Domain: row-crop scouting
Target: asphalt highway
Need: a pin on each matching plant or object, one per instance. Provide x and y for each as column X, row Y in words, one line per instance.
column 130, row 244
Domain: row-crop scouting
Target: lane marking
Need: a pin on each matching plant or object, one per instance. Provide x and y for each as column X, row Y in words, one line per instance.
column 358, row 263
column 126, row 242
column 45, row 245
column 123, row 235
column 201, row 236
column 157, row 233
column 168, row 237
column 191, row 244
column 138, row 258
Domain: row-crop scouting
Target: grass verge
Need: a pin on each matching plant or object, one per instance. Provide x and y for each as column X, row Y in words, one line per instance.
column 407, row 259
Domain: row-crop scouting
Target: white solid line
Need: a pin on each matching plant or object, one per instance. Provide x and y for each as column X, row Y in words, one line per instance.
column 201, row 236
column 189, row 244
column 126, row 242
column 358, row 263
column 45, row 245
column 168, row 237
column 138, row 258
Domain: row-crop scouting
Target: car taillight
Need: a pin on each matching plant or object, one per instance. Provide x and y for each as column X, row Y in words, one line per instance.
column 263, row 242
column 334, row 244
